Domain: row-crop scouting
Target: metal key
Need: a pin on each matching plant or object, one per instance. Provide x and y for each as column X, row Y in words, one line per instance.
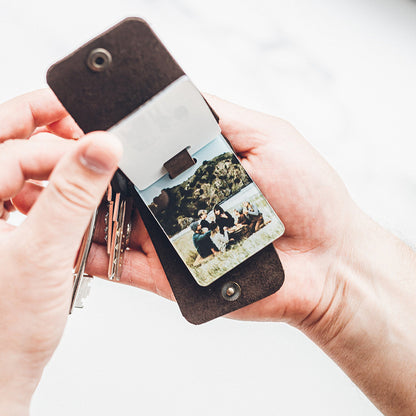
column 117, row 235
column 118, row 229
column 82, row 281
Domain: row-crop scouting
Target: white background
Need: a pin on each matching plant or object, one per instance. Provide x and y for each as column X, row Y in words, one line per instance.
column 343, row 72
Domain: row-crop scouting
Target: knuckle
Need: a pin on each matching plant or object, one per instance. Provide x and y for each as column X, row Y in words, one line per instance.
column 73, row 194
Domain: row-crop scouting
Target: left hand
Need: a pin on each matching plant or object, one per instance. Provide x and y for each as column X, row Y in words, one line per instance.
column 37, row 257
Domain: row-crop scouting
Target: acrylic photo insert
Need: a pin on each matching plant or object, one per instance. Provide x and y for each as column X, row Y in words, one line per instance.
column 213, row 213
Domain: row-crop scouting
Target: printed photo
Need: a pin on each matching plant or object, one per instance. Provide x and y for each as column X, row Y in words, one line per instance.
column 213, row 213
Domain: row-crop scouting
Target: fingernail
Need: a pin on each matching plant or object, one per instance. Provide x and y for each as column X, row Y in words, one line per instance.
column 101, row 156
column 77, row 133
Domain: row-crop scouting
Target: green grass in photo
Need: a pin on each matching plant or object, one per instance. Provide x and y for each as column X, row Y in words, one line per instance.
column 215, row 266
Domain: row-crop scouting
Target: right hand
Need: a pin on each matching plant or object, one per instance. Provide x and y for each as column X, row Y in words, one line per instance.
column 308, row 196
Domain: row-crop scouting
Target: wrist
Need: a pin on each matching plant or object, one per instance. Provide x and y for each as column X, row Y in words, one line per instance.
column 13, row 408
column 350, row 283
column 368, row 326
column 370, row 281
column 18, row 381
column 14, row 398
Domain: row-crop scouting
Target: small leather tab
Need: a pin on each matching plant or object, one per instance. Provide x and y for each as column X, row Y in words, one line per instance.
column 179, row 163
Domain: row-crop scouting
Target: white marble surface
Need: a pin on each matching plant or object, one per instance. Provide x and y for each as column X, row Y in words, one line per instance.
column 342, row 71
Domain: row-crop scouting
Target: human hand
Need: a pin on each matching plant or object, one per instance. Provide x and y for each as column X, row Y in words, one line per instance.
column 305, row 192
column 37, row 257
column 349, row 284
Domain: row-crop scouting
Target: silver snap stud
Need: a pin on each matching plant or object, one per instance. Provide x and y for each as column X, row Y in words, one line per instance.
column 231, row 291
column 99, row 59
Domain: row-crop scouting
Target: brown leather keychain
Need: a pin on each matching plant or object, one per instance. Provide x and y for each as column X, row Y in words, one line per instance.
column 126, row 81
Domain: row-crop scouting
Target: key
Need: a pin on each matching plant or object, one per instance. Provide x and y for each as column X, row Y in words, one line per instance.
column 109, row 218
column 81, row 285
column 118, row 233
column 83, row 290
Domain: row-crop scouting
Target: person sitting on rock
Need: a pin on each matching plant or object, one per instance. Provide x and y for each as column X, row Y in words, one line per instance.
column 240, row 217
column 203, row 243
column 254, row 216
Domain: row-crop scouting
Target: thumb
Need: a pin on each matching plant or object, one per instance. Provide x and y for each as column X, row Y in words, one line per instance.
column 62, row 212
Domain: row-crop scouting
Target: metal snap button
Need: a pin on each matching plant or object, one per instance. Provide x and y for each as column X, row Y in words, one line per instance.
column 99, row 60
column 231, row 291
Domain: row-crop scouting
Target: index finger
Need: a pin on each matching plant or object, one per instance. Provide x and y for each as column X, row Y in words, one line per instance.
column 29, row 159
column 20, row 116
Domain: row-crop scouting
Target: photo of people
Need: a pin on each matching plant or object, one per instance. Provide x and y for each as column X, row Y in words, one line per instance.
column 213, row 213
